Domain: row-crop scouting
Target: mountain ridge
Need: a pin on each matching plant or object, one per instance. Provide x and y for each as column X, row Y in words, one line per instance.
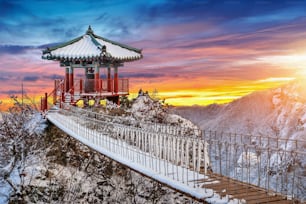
column 277, row 112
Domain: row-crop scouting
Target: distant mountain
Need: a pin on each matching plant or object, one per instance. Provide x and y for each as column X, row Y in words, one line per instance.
column 280, row 112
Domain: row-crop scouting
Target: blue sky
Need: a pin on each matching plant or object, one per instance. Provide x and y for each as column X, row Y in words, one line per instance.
column 227, row 43
column 40, row 22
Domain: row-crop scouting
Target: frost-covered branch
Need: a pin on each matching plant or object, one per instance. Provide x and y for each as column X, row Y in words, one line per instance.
column 18, row 139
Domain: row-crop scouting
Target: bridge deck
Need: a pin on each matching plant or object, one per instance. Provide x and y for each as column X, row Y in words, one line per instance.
column 237, row 189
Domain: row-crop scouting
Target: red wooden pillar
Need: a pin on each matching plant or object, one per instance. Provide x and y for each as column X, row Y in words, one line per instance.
column 55, row 91
column 67, row 79
column 62, row 93
column 97, row 78
column 41, row 103
column 81, row 86
column 71, row 83
column 46, row 102
column 109, row 82
column 101, row 85
column 116, row 79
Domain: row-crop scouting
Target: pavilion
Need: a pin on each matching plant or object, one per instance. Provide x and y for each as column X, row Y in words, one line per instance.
column 91, row 53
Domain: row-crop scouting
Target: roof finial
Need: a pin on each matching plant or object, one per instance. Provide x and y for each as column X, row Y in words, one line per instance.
column 89, row 30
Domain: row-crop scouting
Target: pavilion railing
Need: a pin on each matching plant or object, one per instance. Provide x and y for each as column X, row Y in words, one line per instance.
column 101, row 86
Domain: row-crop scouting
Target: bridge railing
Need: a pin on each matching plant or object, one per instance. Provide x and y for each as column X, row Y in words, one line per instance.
column 149, row 126
column 184, row 159
column 270, row 162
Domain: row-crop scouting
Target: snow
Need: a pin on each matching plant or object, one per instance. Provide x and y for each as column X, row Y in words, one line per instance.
column 118, row 51
column 86, row 48
column 161, row 170
column 5, row 189
column 35, row 124
column 4, row 171
column 146, row 109
column 278, row 113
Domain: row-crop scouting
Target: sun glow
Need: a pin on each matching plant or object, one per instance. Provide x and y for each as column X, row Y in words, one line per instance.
column 295, row 61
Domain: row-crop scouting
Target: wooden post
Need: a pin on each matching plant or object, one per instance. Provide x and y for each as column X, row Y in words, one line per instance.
column 55, row 91
column 97, row 77
column 109, row 89
column 81, row 86
column 62, row 94
column 41, row 103
column 100, row 85
column 67, row 79
column 46, row 102
column 116, row 79
column 71, row 83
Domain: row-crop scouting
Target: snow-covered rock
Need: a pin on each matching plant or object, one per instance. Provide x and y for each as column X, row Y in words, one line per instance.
column 146, row 109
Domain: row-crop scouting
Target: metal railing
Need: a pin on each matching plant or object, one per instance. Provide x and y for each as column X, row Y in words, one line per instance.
column 269, row 162
column 180, row 159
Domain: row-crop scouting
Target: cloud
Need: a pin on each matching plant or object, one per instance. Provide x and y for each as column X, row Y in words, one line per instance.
column 53, row 76
column 138, row 74
column 179, row 96
column 4, row 78
column 11, row 92
column 14, row 49
column 30, row 78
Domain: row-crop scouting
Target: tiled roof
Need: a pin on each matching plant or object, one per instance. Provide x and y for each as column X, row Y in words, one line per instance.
column 91, row 46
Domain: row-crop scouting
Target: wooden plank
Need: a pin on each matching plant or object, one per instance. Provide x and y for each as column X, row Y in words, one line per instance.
column 282, row 202
column 268, row 199
column 220, row 187
column 243, row 194
column 241, row 190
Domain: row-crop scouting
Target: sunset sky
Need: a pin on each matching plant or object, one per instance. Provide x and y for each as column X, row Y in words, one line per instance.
column 195, row 52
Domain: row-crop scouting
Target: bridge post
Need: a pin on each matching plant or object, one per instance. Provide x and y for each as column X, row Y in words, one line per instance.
column 182, row 158
column 187, row 157
column 46, row 102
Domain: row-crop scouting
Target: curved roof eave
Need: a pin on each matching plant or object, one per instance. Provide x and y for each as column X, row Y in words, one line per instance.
column 119, row 44
column 48, row 55
column 49, row 49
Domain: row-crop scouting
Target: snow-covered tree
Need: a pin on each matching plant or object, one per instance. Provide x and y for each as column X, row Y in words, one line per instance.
column 18, row 142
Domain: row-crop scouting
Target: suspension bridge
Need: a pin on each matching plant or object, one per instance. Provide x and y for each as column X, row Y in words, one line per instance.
column 208, row 166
